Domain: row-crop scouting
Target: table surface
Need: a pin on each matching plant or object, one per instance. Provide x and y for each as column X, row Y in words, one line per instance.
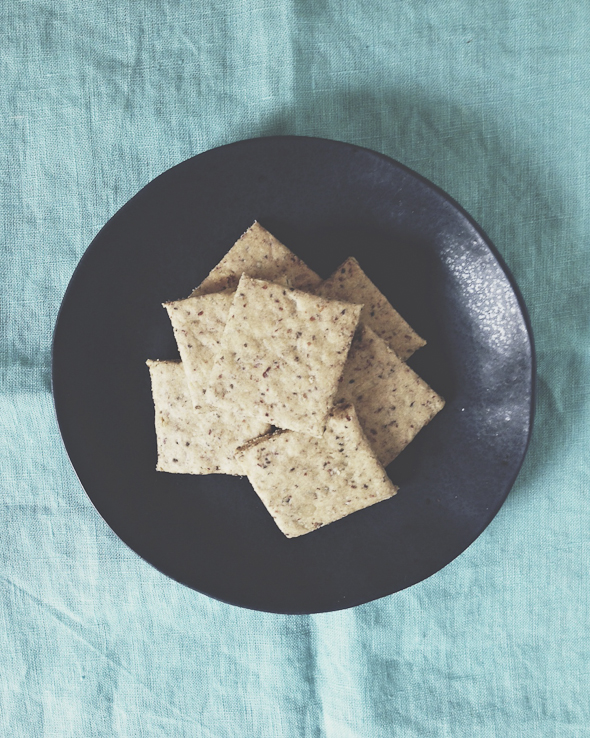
column 492, row 104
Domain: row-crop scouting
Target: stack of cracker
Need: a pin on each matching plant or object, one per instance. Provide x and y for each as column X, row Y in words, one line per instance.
column 300, row 384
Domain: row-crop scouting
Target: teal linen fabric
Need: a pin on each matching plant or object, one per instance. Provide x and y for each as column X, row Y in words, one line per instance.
column 492, row 103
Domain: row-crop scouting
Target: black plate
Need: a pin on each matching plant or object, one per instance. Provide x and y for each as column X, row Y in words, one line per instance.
column 326, row 201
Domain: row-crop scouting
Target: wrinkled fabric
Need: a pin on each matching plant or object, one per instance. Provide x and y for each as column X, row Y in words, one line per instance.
column 492, row 103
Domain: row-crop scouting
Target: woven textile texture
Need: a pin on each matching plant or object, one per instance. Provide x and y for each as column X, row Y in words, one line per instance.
column 489, row 101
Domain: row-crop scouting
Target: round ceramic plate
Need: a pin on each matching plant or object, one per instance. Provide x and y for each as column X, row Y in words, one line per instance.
column 326, row 201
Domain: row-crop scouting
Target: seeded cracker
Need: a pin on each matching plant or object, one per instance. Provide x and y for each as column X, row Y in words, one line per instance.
column 199, row 320
column 198, row 324
column 392, row 402
column 262, row 256
column 307, row 482
column 282, row 354
column 191, row 441
column 349, row 282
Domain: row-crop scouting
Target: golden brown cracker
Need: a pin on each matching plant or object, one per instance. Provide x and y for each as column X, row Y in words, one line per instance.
column 349, row 282
column 306, row 482
column 259, row 254
column 392, row 402
column 194, row 441
column 282, row 354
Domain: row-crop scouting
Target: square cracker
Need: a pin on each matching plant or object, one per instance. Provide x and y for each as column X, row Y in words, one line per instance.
column 349, row 282
column 307, row 482
column 191, row 441
column 392, row 402
column 198, row 324
column 282, row 354
column 262, row 256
